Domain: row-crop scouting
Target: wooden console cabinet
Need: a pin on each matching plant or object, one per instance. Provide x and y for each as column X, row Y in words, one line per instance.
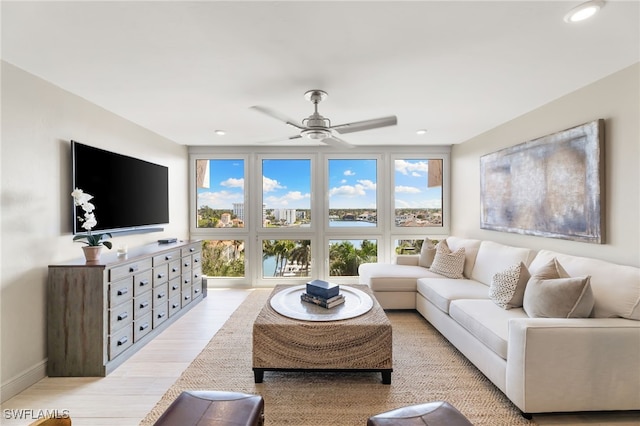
column 98, row 315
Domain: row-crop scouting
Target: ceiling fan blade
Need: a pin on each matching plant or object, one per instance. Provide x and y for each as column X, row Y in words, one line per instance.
column 337, row 143
column 359, row 126
column 278, row 116
column 280, row 140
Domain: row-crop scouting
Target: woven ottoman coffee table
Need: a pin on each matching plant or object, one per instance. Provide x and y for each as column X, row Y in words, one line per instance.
column 298, row 336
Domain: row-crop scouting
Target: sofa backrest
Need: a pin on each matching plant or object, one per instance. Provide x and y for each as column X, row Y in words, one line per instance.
column 616, row 288
column 470, row 251
column 494, row 257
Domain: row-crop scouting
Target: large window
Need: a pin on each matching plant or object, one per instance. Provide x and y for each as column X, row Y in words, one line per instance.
column 285, row 216
column 220, row 193
column 352, row 192
column 418, row 192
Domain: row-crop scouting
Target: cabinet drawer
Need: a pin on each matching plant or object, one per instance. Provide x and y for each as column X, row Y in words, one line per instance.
column 160, row 275
column 193, row 248
column 142, row 282
column 174, row 287
column 186, row 280
column 160, row 295
column 142, row 327
column 174, row 269
column 196, row 291
column 186, row 263
column 128, row 269
column 196, row 276
column 186, row 296
column 120, row 316
column 142, row 305
column 160, row 313
column 120, row 292
column 165, row 257
column 174, row 304
column 196, row 260
column 120, row 341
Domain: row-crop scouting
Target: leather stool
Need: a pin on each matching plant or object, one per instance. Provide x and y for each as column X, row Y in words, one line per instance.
column 437, row 413
column 214, row 408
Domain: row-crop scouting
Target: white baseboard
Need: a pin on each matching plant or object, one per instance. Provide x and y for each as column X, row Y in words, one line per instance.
column 22, row 381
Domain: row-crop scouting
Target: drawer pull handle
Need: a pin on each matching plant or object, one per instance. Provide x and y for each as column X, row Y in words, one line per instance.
column 133, row 268
column 192, row 249
column 196, row 260
column 161, row 275
column 187, row 297
column 143, row 283
column 161, row 295
column 122, row 316
column 144, row 304
column 175, row 305
column 174, row 270
column 186, row 264
column 161, row 315
column 186, row 281
column 196, row 276
column 168, row 257
column 175, row 287
column 123, row 291
column 196, row 290
column 123, row 340
column 144, row 326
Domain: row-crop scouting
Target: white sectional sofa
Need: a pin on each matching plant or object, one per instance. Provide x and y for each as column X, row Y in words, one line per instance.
column 540, row 364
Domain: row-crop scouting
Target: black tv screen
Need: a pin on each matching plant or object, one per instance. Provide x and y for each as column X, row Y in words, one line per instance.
column 128, row 193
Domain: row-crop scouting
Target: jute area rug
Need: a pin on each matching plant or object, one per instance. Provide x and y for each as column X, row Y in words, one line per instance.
column 425, row 368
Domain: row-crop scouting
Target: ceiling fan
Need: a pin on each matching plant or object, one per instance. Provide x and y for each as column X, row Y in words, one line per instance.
column 317, row 127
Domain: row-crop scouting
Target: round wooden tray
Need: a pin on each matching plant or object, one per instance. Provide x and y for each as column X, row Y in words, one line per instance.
column 287, row 302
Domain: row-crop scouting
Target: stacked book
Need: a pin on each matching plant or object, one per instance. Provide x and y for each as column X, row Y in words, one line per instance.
column 322, row 293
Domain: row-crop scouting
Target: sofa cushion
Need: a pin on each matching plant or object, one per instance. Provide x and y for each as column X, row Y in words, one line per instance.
column 486, row 322
column 441, row 291
column 470, row 251
column 427, row 253
column 493, row 258
column 616, row 288
column 507, row 287
column 392, row 277
column 447, row 263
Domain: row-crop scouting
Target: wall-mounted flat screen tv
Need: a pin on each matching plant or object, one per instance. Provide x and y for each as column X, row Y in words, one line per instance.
column 128, row 193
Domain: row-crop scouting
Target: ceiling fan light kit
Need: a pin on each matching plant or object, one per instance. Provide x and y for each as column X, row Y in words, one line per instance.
column 317, row 127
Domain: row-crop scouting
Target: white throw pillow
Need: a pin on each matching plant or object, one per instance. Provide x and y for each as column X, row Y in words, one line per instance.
column 508, row 286
column 447, row 263
column 427, row 253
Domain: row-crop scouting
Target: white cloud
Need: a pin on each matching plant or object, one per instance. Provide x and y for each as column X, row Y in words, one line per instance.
column 415, row 169
column 367, row 184
column 233, row 183
column 285, row 201
column 343, row 181
column 351, row 191
column 219, row 200
column 349, row 173
column 270, row 185
column 407, row 189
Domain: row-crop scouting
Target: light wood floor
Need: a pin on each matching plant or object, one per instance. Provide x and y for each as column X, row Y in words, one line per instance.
column 126, row 396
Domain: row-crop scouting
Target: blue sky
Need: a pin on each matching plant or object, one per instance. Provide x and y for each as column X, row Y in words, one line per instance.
column 287, row 184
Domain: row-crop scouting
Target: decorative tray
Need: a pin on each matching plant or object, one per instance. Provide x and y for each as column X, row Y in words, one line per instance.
column 287, row 302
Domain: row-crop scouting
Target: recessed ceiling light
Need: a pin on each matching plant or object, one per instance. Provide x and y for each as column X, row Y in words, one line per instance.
column 421, row 132
column 584, row 11
column 220, row 132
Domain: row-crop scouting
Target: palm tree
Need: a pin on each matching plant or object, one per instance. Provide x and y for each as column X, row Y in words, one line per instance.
column 301, row 254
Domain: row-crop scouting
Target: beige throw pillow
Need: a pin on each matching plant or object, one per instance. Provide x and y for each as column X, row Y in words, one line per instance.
column 508, row 286
column 447, row 263
column 551, row 293
column 427, row 253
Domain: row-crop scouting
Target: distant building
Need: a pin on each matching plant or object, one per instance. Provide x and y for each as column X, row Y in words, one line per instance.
column 238, row 210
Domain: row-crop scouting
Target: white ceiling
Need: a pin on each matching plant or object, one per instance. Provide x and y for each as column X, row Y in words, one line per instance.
column 185, row 69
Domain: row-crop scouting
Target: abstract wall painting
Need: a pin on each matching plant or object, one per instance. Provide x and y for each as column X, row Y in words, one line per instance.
column 549, row 187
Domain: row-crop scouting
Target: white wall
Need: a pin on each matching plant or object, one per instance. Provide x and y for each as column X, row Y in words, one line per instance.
column 616, row 99
column 38, row 122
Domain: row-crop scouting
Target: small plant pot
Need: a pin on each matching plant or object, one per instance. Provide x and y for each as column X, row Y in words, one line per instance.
column 92, row 253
